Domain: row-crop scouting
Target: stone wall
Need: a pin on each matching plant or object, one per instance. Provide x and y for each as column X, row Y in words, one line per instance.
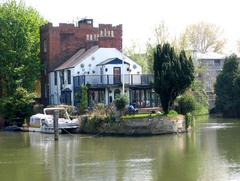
column 139, row 126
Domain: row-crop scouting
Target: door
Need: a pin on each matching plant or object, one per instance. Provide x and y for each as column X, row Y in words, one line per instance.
column 116, row 75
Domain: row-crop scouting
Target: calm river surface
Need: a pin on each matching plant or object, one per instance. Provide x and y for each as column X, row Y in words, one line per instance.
column 210, row 152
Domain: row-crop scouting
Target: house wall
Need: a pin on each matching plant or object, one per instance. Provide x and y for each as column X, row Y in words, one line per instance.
column 98, row 57
column 59, row 43
column 90, row 63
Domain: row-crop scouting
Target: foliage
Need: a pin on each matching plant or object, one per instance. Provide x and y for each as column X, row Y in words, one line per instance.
column 161, row 33
column 189, row 118
column 194, row 100
column 121, row 103
column 98, row 117
column 19, row 47
column 204, row 37
column 143, row 115
column 227, row 88
column 171, row 113
column 136, row 54
column 83, row 98
column 199, row 93
column 173, row 74
column 186, row 104
column 17, row 107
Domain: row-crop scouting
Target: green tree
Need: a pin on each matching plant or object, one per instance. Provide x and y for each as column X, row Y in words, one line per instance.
column 19, row 58
column 83, row 98
column 18, row 106
column 19, row 46
column 173, row 74
column 135, row 53
column 204, row 37
column 227, row 88
column 120, row 103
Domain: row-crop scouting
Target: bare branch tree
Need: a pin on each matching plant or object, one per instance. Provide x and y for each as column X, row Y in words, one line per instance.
column 205, row 37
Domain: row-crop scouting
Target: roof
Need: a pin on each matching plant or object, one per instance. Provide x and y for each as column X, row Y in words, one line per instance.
column 210, row 55
column 112, row 61
column 77, row 58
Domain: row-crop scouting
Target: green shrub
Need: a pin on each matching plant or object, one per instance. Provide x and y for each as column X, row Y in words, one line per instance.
column 172, row 113
column 121, row 103
column 189, row 119
column 186, row 104
column 83, row 98
column 17, row 107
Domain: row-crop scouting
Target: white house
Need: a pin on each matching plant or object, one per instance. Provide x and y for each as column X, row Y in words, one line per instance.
column 103, row 69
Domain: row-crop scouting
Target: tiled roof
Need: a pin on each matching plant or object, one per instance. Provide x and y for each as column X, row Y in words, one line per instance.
column 77, row 58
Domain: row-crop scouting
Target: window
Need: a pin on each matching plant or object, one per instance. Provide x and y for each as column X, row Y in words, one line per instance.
column 217, row 62
column 69, row 76
column 105, row 32
column 62, row 77
column 87, row 37
column 44, row 46
column 55, row 78
column 112, row 33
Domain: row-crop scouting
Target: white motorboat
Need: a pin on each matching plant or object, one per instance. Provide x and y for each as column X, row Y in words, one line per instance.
column 44, row 122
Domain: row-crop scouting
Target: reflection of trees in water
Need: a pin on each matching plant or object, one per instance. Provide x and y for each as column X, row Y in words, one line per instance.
column 122, row 158
column 18, row 161
column 228, row 141
column 191, row 156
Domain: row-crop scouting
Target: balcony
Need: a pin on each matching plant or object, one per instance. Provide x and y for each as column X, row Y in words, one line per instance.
column 106, row 80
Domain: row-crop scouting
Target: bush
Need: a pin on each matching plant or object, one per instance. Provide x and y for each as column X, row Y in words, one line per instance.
column 186, row 104
column 83, row 98
column 121, row 103
column 189, row 119
column 17, row 107
column 172, row 113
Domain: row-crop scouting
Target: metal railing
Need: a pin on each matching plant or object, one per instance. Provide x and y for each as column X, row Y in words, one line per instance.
column 129, row 79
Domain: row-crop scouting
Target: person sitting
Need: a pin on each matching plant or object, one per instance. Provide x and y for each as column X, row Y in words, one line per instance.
column 132, row 109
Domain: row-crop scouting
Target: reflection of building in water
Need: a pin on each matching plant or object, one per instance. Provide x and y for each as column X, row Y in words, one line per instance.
column 58, row 157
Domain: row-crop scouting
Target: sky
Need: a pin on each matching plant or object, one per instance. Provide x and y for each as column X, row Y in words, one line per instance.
column 140, row 17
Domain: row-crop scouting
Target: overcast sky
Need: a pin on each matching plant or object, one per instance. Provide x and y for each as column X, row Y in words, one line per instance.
column 139, row 17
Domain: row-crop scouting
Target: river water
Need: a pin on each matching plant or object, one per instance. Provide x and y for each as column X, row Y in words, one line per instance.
column 210, row 152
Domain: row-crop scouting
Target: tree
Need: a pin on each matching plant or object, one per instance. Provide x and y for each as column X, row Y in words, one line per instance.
column 136, row 54
column 162, row 34
column 19, row 46
column 227, row 88
column 83, row 98
column 173, row 74
column 17, row 106
column 204, row 37
column 19, row 58
column 120, row 103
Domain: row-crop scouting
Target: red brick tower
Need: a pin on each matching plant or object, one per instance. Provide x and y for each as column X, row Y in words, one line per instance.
column 58, row 44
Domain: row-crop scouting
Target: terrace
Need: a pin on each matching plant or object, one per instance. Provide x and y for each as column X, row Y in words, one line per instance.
column 111, row 80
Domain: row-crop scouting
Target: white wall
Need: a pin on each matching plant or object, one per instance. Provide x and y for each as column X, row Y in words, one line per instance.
column 101, row 55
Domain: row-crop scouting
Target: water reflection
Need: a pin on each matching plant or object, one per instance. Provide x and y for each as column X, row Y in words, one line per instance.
column 210, row 152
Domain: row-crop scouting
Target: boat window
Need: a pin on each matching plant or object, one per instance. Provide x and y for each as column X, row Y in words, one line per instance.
column 36, row 121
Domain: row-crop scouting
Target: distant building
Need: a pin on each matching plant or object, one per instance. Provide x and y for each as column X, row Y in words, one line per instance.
column 212, row 64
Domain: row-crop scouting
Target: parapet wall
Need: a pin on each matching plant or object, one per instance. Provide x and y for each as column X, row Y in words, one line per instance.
column 140, row 126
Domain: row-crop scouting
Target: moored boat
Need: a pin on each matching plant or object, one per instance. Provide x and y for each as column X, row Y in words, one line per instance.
column 44, row 122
